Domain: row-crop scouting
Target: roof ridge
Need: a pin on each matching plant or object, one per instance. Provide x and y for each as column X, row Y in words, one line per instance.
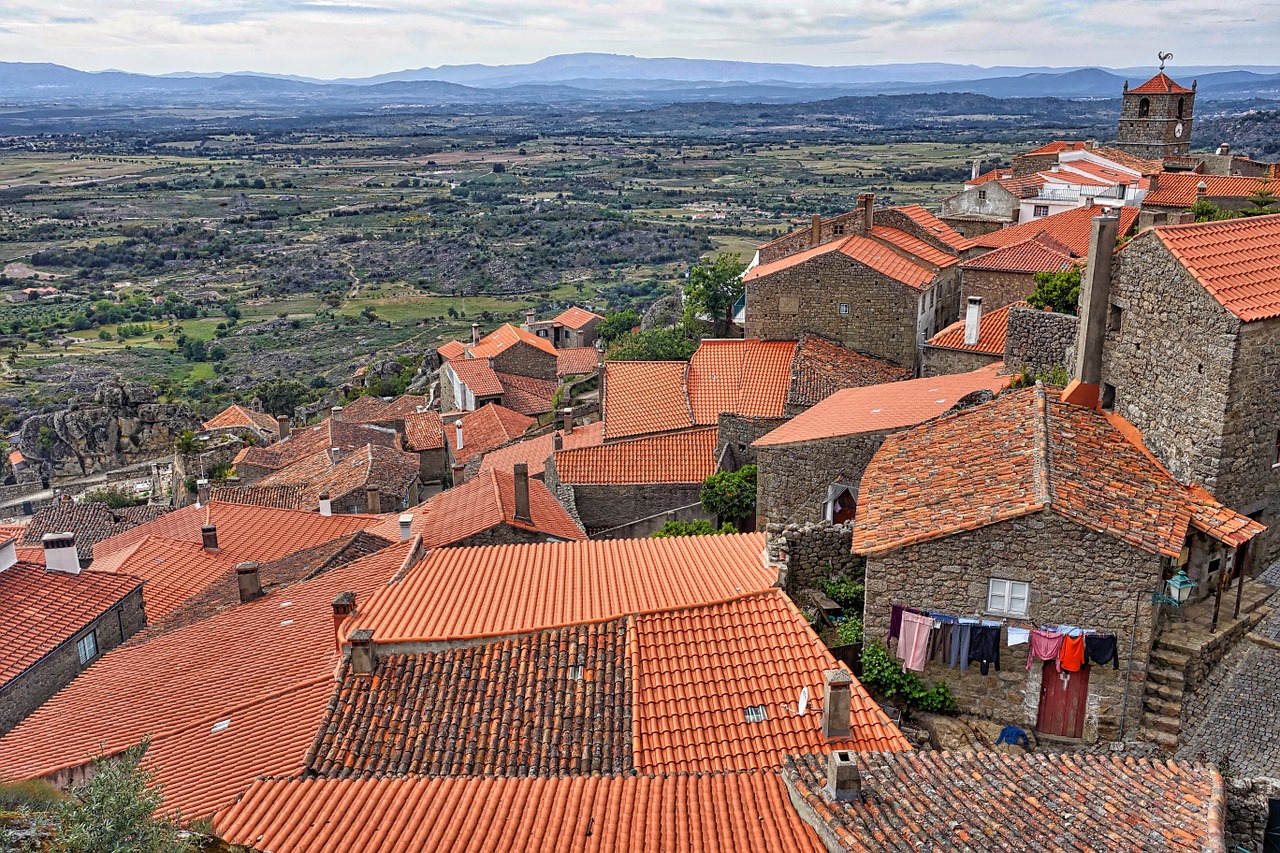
column 1041, row 466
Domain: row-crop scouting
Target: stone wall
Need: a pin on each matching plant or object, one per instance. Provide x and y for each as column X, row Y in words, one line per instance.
column 1247, row 809
column 804, row 553
column 643, row 528
column 501, row 534
column 524, row 359
column 802, row 238
column 34, row 687
column 1076, row 577
column 1152, row 135
column 792, row 479
column 1039, row 340
column 736, row 432
column 971, row 228
column 940, row 361
column 208, row 456
column 997, row 289
column 20, row 490
column 605, row 507
column 989, row 199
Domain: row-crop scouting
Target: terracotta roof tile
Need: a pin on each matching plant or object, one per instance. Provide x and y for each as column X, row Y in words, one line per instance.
column 872, row 253
column 1070, row 228
column 645, row 397
column 237, row 415
column 364, row 409
column 1161, row 84
column 913, row 244
column 506, row 336
column 535, row 451
column 1180, row 189
column 457, row 593
column 761, row 270
column 280, row 496
column 746, row 812
column 172, row 571
column 935, row 226
column 1237, row 261
column 880, row 408
column 820, row 368
column 746, row 377
column 423, row 431
column 1032, row 801
column 90, row 522
column 1023, row 186
column 1041, row 253
column 1130, row 161
column 989, row 176
column 478, row 375
column 487, row 427
column 992, row 328
column 302, row 443
column 527, row 395
column 576, row 361
column 451, row 349
column 678, row 457
column 389, row 469
column 576, row 318
column 1218, row 521
column 1058, row 146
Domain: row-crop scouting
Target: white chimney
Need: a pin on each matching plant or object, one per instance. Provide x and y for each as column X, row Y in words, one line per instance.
column 9, row 554
column 60, row 553
column 976, row 171
column 475, row 333
column 406, row 526
column 202, row 492
column 458, row 426
column 972, row 321
column 326, row 505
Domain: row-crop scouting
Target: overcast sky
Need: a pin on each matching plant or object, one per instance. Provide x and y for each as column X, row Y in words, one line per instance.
column 350, row 38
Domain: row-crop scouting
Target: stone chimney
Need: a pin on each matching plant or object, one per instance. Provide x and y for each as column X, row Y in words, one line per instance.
column 475, row 333
column 1095, row 299
column 248, row 581
column 364, row 655
column 282, row 427
column 529, row 319
column 1090, row 144
column 406, row 526
column 976, row 170
column 521, row 471
column 866, row 206
column 457, row 425
column 844, row 782
column 566, row 418
column 9, row 555
column 835, row 704
column 202, row 492
column 1224, row 150
column 209, row 537
column 60, row 553
column 372, row 500
column 815, row 230
column 972, row 321
column 1153, row 183
column 557, row 442
column 344, row 604
column 326, row 505
column 1202, row 188
column 336, row 413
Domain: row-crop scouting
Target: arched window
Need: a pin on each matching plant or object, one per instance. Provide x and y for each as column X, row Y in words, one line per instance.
column 841, row 503
column 1182, row 103
column 1144, row 108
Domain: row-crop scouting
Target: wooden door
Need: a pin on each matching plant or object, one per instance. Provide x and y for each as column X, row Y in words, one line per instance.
column 1062, row 701
column 844, row 507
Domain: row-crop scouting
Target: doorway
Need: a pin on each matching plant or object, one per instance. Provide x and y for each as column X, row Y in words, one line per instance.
column 1062, row 701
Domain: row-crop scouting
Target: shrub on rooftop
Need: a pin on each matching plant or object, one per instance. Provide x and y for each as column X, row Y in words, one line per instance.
column 884, row 675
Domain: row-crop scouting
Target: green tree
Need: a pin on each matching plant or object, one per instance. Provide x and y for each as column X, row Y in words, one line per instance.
column 281, row 396
column 112, row 495
column 1264, row 201
column 698, row 527
column 186, row 442
column 617, row 324
column 654, row 345
column 730, row 495
column 1058, row 291
column 1206, row 211
column 712, row 288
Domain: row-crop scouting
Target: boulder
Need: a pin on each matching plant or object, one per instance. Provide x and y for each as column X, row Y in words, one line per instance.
column 947, row 733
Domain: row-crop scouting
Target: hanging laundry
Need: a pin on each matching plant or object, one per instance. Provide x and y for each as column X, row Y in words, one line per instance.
column 984, row 647
column 1018, row 636
column 943, row 639
column 1101, row 649
column 913, row 641
column 1045, row 645
column 962, row 635
column 895, row 621
column 1071, row 656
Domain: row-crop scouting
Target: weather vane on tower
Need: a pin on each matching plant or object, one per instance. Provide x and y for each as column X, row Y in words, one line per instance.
column 1163, row 56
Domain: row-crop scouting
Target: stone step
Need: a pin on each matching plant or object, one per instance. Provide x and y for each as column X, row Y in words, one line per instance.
column 1165, row 692
column 1169, row 659
column 1171, row 677
column 1162, row 707
column 1164, row 739
column 1160, row 723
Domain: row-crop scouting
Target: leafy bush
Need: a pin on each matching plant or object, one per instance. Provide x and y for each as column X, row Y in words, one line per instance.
column 849, row 594
column 31, row 795
column 730, row 494
column 1058, row 291
column 701, row 527
column 654, row 345
column 617, row 324
column 849, row 630
column 886, row 676
column 113, row 496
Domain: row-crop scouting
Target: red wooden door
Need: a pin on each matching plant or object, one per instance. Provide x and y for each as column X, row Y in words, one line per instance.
column 1062, row 701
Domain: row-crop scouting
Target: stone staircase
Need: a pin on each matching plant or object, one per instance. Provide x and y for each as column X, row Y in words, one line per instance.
column 1186, row 651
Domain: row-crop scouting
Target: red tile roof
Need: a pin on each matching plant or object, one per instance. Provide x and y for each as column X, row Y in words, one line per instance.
column 423, row 431
column 1058, row 146
column 1024, row 452
column 645, row 397
column 487, row 427
column 746, row 812
column 1130, row 161
column 527, row 395
column 301, row 443
column 913, row 244
column 820, row 368
column 281, row 497
column 746, row 377
column 867, row 251
column 237, row 415
column 506, row 336
column 576, row 361
column 1024, row 186
column 451, row 350
column 991, row 333
column 478, row 375
column 1161, row 84
column 535, row 451
column 390, row 470
column 1041, row 253
column 1237, row 261
column 90, row 522
column 1070, row 228
column 41, row 610
column 364, row 409
column 1181, row 189
column 883, row 407
column 576, row 318
column 493, row 591
column 698, row 669
column 678, row 457
column 172, row 571
column 935, row 226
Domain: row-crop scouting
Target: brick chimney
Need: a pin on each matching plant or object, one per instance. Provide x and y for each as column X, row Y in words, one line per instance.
column 60, row 553
column 209, row 537
column 866, row 206
column 475, row 333
column 815, row 230
column 344, row 604
column 835, row 703
column 844, row 782
column 566, row 419
column 406, row 526
column 282, row 427
column 336, row 413
column 372, row 500
column 9, row 555
column 972, row 321
column 1095, row 299
column 521, row 471
column 364, row 655
column 248, row 581
column 326, row 505
column 202, row 492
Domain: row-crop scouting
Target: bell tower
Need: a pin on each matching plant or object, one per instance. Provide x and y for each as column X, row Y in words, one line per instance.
column 1155, row 118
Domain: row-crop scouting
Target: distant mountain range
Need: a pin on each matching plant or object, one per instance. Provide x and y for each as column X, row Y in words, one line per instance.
column 592, row 78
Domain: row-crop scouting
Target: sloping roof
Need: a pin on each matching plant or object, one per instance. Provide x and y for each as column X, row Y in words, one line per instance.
column 992, row 328
column 883, row 407
column 576, row 361
column 1161, row 84
column 935, row 226
column 457, row 593
column 867, row 251
column 1023, row 186
column 388, row 469
column 487, row 427
column 644, row 397
column 90, row 522
column 746, row 812
column 1058, row 146
column 478, row 375
column 485, row 501
column 1024, row 452
column 1180, row 189
column 423, row 431
column 279, row 496
column 237, row 415
column 41, row 610
column 1070, row 228
column 759, row 650
column 913, row 244
column 1028, row 802
column 1237, row 261
column 364, row 409
column 677, row 457
column 527, row 395
column 1041, row 253
column 746, row 377
column 576, row 318
column 535, row 451
column 172, row 571
column 506, row 336
column 820, row 368
column 505, row 708
column 1141, row 165
column 451, row 349
column 342, row 434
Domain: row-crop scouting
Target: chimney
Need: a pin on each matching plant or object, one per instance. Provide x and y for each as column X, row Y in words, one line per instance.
column 406, row 526
column 248, row 581
column 343, row 606
column 372, row 500
column 326, row 505
column 475, row 333
column 866, row 204
column 566, row 417
column 335, row 455
column 815, row 230
column 1153, row 183
column 528, row 319
column 9, row 555
column 209, row 537
column 1095, row 299
column 364, row 657
column 521, row 472
column 60, row 553
column 835, row 704
column 202, row 492
column 65, row 498
column 557, row 442
column 1090, row 144
column 976, row 170
column 844, row 782
column 336, row 413
column 457, row 425
column 972, row 321
column 1202, row 188
column 282, row 427
column 1224, row 150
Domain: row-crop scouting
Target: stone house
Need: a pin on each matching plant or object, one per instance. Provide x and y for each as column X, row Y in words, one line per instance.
column 370, row 479
column 89, row 522
column 253, row 462
column 573, row 328
column 810, row 468
column 995, row 513
column 509, row 366
column 260, row 424
column 1007, row 275
column 975, row 342
column 472, row 434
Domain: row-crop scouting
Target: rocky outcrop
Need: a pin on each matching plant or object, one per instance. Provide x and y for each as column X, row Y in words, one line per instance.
column 122, row 426
column 665, row 313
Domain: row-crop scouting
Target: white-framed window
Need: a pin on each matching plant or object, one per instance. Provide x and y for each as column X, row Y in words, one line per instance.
column 844, row 307
column 1041, row 210
column 1007, row 598
column 87, row 647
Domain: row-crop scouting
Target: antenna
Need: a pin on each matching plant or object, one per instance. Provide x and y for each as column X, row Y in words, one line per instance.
column 803, row 704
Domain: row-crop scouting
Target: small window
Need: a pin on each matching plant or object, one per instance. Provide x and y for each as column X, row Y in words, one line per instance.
column 542, row 333
column 755, row 713
column 1007, row 598
column 575, row 672
column 1041, row 210
column 1144, row 108
column 87, row 646
column 1182, row 104
column 982, row 195
column 1115, row 318
column 838, row 228
column 844, row 307
column 1108, row 396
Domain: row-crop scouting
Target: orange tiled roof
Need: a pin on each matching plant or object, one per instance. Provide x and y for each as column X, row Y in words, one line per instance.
column 1140, row 165
column 1041, row 253
column 1181, row 189
column 913, row 244
column 1218, row 521
column 237, row 415
column 690, row 704
column 1058, row 146
column 746, row 377
column 576, row 361
column 1161, row 84
column 451, row 349
column 506, row 336
column 487, row 427
column 677, row 457
column 364, row 409
column 746, row 812
column 576, row 318
column 869, row 252
column 329, row 433
column 389, row 469
column 1024, row 186
column 172, row 571
column 535, row 451
column 527, row 395
column 935, row 226
column 1237, row 261
column 478, row 375
column 989, row 176
column 458, row 593
column 1024, row 452
column 1099, row 171
column 423, row 431
column 1070, row 228
column 90, row 522
column 820, row 368
column 991, row 333
column 645, row 397
column 879, row 408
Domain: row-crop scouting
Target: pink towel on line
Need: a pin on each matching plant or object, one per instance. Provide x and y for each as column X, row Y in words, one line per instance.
column 1045, row 645
column 913, row 641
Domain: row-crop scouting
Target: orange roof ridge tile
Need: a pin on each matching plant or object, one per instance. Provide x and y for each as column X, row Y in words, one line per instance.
column 1236, row 260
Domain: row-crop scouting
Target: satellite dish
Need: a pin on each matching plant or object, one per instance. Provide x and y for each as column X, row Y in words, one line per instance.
column 803, row 704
